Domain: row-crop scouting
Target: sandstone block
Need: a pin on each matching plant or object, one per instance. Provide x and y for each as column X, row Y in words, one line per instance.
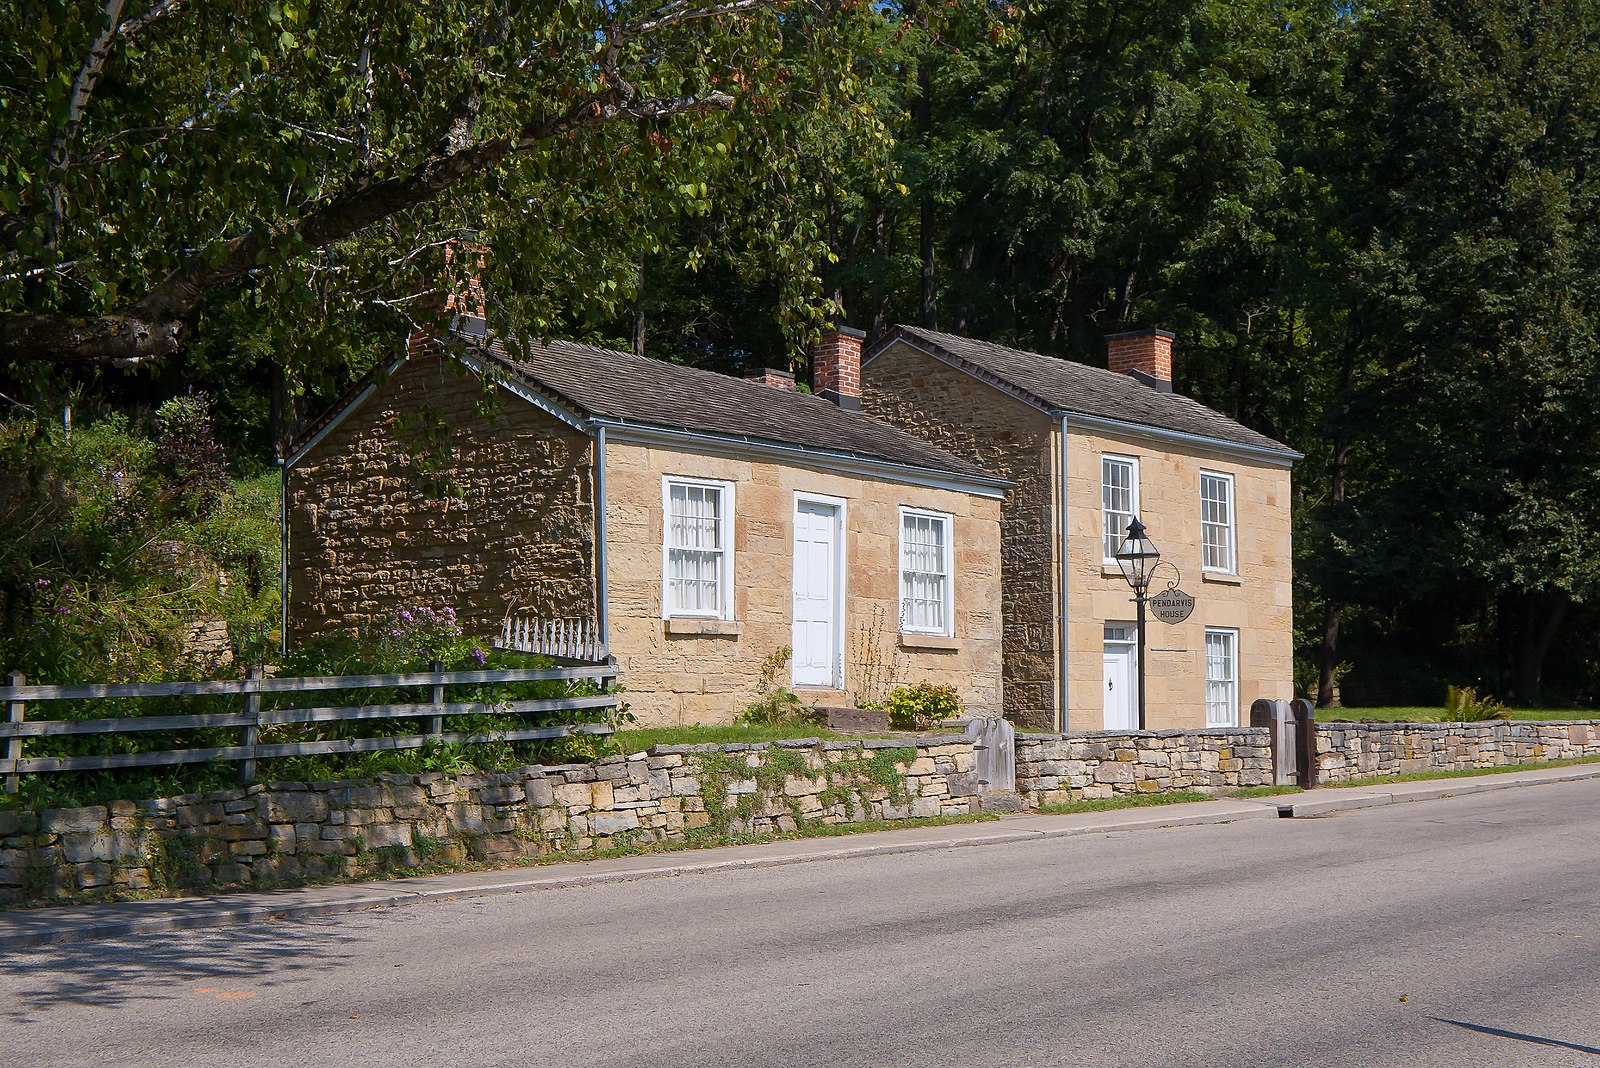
column 70, row 820
column 92, row 875
column 297, row 807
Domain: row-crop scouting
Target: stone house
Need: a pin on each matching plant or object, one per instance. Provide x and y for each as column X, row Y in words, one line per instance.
column 700, row 522
column 1088, row 450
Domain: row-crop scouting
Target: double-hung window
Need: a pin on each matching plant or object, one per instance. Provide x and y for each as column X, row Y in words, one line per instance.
column 1119, row 501
column 1216, row 522
column 1222, row 678
column 697, row 531
column 925, row 578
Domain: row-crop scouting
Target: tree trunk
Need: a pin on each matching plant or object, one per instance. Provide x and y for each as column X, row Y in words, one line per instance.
column 1328, row 655
column 1338, row 473
column 1542, row 615
column 638, row 311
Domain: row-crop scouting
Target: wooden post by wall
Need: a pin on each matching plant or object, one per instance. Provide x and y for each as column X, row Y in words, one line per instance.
column 14, row 714
column 1305, row 722
column 252, row 712
column 1279, row 720
column 436, row 695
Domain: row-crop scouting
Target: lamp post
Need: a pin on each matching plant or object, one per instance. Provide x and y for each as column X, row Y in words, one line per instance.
column 1137, row 557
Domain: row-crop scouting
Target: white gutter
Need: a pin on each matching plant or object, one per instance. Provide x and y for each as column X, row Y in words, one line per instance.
column 1062, row 621
column 283, row 561
column 739, row 445
column 602, row 587
column 1276, row 457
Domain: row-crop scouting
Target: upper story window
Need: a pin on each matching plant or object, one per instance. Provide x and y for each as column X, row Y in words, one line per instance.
column 697, row 532
column 925, row 573
column 1119, row 501
column 1216, row 522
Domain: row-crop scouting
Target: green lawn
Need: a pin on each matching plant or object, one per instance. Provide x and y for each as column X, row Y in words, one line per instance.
column 1436, row 715
column 636, row 741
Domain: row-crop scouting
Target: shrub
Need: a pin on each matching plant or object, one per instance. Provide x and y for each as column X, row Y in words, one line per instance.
column 919, row 707
column 777, row 705
column 1463, row 705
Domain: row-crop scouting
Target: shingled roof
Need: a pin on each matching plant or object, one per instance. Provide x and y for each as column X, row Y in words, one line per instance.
column 1066, row 386
column 621, row 386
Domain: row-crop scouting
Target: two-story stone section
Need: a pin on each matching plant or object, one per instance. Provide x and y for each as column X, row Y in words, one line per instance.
column 1087, row 451
column 700, row 523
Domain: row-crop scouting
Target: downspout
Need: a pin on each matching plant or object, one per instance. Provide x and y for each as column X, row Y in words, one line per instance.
column 283, row 560
column 1062, row 542
column 602, row 607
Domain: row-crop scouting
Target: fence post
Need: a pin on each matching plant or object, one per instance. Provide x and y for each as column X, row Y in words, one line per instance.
column 14, row 713
column 436, row 722
column 1305, row 721
column 252, row 714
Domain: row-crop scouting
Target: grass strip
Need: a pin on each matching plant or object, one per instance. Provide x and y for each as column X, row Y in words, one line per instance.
column 1462, row 773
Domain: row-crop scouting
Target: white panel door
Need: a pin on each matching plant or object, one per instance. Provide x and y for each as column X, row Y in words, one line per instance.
column 817, row 559
column 1118, row 686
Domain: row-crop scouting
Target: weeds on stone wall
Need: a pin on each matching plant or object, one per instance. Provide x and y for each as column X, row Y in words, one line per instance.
column 848, row 783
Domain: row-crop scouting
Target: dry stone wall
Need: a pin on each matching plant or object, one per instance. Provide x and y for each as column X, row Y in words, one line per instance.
column 1054, row 768
column 1348, row 751
column 289, row 832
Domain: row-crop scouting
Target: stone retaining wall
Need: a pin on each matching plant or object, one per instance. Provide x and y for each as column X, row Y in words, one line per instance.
column 1348, row 751
column 1054, row 768
column 289, row 832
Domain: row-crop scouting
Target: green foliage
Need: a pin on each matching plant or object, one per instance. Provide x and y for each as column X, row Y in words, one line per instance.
column 117, row 540
column 778, row 705
column 1462, row 704
column 921, row 707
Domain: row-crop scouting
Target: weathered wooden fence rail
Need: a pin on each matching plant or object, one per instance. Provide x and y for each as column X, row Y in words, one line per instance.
column 17, row 696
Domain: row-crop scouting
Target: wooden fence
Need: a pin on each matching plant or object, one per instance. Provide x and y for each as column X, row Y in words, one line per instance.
column 17, row 696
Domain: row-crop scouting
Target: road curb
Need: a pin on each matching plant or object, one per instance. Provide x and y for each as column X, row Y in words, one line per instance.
column 196, row 913
column 1316, row 804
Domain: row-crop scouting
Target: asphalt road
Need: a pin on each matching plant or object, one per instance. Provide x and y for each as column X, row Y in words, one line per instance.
column 1451, row 933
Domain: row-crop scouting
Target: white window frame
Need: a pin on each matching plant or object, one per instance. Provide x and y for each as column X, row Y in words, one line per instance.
column 724, row 610
column 948, row 563
column 1225, row 700
column 1132, row 462
column 1229, row 528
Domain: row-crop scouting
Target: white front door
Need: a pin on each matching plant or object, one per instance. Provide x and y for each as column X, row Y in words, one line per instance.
column 817, row 586
column 1119, row 680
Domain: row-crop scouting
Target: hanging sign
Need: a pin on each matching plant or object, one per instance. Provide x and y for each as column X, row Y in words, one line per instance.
column 1172, row 606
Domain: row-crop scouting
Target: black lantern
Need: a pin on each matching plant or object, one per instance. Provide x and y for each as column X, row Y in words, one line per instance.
column 1138, row 556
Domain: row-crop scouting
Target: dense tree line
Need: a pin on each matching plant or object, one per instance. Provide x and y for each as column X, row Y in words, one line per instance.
column 1369, row 224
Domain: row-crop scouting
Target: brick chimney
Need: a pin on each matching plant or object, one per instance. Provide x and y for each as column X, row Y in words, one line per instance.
column 836, row 366
column 770, row 376
column 464, row 293
column 1145, row 355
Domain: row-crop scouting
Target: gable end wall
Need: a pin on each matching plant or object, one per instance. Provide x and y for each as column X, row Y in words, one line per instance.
column 514, row 531
column 1008, row 438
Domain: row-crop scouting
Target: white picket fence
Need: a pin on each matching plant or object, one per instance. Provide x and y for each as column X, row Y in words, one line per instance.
column 571, row 639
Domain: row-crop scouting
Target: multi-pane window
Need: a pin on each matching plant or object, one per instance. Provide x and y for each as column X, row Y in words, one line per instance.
column 1216, row 522
column 925, row 572
column 1222, row 678
column 1119, row 500
column 697, row 548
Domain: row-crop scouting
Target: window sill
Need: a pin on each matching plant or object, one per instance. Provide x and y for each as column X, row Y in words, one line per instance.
column 930, row 642
column 690, row 626
column 1221, row 578
column 1110, row 570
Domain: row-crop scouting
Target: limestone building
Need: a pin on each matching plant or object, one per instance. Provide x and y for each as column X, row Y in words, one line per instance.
column 1087, row 450
column 700, row 522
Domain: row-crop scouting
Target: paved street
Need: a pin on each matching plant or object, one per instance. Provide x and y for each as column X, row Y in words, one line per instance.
column 1449, row 933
